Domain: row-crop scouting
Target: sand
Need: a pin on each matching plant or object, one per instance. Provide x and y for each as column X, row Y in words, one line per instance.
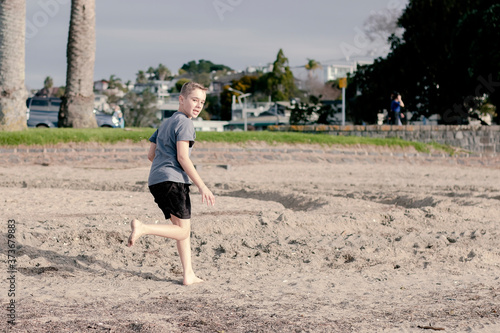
column 289, row 247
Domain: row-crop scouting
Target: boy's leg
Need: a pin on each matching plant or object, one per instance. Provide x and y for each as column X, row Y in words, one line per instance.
column 184, row 249
column 180, row 231
column 175, row 231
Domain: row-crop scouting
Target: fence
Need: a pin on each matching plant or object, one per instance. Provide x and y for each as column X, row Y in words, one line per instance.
column 478, row 139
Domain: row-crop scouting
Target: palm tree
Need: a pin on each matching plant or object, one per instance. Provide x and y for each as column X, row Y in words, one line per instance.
column 114, row 82
column 311, row 66
column 12, row 54
column 151, row 73
column 78, row 101
column 141, row 77
column 162, row 71
column 48, row 83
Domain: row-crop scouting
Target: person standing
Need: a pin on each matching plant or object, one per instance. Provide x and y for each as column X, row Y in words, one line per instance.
column 396, row 105
column 171, row 174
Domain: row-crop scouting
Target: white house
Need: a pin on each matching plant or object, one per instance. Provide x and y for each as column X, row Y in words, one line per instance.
column 157, row 87
column 341, row 69
column 201, row 125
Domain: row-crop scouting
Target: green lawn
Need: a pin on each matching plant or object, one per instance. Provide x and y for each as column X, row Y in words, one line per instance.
column 43, row 137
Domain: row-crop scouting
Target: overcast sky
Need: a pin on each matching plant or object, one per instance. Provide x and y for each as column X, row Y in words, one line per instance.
column 135, row 35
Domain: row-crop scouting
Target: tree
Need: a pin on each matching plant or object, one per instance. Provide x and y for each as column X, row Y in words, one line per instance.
column 427, row 65
column 246, row 84
column 203, row 78
column 311, row 66
column 213, row 108
column 477, row 49
column 162, row 72
column 114, row 82
column 368, row 92
column 226, row 101
column 180, row 83
column 141, row 77
column 48, row 83
column 280, row 83
column 314, row 111
column 60, row 92
column 313, row 86
column 151, row 73
column 203, row 66
column 12, row 90
column 78, row 101
column 140, row 109
column 379, row 27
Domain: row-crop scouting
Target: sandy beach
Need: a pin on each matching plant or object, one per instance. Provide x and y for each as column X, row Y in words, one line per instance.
column 354, row 245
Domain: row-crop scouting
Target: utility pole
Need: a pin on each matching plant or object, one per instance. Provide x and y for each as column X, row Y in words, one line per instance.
column 343, row 85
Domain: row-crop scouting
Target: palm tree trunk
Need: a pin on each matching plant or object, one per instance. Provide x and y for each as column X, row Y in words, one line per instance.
column 78, row 100
column 12, row 89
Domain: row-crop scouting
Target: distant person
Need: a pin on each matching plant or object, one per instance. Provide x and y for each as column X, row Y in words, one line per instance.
column 171, row 174
column 396, row 105
column 121, row 120
column 119, row 115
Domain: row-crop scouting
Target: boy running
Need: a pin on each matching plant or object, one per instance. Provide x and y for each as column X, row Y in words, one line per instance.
column 171, row 174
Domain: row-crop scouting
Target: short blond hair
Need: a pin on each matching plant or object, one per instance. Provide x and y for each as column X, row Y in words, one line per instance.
column 188, row 87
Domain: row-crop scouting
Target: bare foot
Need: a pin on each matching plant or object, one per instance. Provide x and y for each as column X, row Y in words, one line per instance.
column 191, row 279
column 136, row 227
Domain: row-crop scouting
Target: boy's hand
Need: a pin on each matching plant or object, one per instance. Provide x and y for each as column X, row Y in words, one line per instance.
column 206, row 195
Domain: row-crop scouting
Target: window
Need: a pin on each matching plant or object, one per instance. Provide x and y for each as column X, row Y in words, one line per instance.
column 38, row 102
column 168, row 113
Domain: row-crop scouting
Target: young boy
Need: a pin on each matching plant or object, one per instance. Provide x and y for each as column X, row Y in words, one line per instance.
column 170, row 174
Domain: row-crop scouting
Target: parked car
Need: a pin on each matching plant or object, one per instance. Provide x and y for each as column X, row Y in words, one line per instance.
column 44, row 112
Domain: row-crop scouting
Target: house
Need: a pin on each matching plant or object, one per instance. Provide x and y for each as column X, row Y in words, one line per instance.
column 340, row 69
column 158, row 87
column 167, row 108
column 101, row 85
column 258, row 123
column 201, row 125
column 218, row 83
column 259, row 115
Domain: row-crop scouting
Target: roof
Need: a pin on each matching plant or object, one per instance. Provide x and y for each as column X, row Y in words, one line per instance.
column 260, row 121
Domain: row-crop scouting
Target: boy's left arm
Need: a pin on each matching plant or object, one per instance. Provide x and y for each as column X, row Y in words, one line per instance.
column 188, row 167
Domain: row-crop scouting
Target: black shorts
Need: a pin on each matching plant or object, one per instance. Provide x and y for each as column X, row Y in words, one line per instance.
column 173, row 199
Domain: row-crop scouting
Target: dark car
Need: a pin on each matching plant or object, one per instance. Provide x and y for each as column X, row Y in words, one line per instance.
column 44, row 112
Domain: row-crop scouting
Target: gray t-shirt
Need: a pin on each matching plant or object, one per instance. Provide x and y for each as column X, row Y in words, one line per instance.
column 165, row 165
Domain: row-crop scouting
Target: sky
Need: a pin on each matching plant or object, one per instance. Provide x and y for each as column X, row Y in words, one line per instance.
column 134, row 35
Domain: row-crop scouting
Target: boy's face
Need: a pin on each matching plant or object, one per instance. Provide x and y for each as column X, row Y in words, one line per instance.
column 192, row 105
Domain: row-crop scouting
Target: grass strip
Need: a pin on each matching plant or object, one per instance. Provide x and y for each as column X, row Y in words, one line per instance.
column 53, row 136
